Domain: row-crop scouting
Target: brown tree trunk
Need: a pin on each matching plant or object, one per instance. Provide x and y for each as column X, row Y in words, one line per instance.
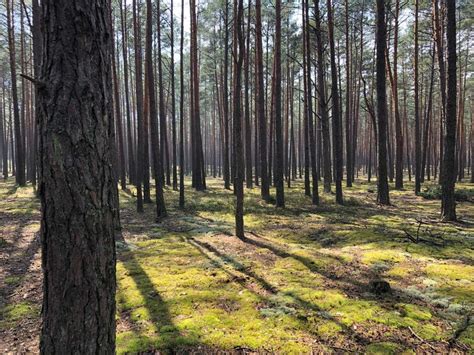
column 336, row 110
column 78, row 191
column 260, row 104
column 381, row 44
column 181, row 111
column 310, row 132
column 248, row 127
column 280, row 197
column 173, row 103
column 130, row 147
column 238, row 55
column 322, row 102
column 417, row 109
column 155, row 145
column 20, row 177
column 448, row 203
column 139, row 102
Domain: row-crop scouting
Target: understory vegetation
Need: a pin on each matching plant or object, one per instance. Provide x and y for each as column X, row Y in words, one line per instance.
column 300, row 281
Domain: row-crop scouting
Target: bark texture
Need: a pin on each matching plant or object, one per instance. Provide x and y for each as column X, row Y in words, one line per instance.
column 77, row 187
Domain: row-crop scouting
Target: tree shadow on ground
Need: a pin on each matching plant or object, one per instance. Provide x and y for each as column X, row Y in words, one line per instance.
column 354, row 341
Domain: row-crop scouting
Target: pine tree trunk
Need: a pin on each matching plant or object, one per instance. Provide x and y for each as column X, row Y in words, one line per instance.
column 448, row 203
column 20, row 177
column 155, row 145
column 139, row 112
column 417, row 109
column 260, row 104
column 280, row 197
column 238, row 55
column 381, row 44
column 78, row 191
column 181, row 111
column 336, row 110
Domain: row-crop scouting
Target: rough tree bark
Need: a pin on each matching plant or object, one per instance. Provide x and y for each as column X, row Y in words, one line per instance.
column 77, row 187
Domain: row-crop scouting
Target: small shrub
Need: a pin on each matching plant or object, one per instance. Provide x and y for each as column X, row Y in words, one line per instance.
column 435, row 192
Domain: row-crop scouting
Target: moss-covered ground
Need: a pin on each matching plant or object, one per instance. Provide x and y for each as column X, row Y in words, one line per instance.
column 298, row 283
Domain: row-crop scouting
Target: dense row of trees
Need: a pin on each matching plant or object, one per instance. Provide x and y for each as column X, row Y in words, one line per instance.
column 311, row 105
column 266, row 94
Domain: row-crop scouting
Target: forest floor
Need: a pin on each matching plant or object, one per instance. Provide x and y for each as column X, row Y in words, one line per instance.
column 301, row 281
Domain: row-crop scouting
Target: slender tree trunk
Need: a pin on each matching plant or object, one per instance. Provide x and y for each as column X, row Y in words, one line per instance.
column 78, row 191
column 20, row 177
column 260, row 104
column 336, row 111
column 280, row 197
column 196, row 137
column 181, row 111
column 417, row 109
column 238, row 55
column 173, row 103
column 322, row 102
column 130, row 146
column 155, row 145
column 448, row 203
column 309, row 103
column 225, row 97
column 248, row 127
column 139, row 103
column 381, row 44
column 348, row 99
column 118, row 118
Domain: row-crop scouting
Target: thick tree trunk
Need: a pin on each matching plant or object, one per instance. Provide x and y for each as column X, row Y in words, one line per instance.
column 78, row 191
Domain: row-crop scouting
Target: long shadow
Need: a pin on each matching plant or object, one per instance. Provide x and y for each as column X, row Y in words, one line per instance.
column 305, row 305
column 347, row 283
column 18, row 265
column 153, row 301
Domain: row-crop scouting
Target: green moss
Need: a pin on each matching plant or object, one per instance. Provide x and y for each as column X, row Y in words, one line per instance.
column 13, row 280
column 454, row 272
column 399, row 271
column 374, row 255
column 415, row 312
column 383, row 348
column 11, row 314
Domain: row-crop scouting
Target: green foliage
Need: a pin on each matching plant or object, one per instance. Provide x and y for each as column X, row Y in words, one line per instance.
column 460, row 194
